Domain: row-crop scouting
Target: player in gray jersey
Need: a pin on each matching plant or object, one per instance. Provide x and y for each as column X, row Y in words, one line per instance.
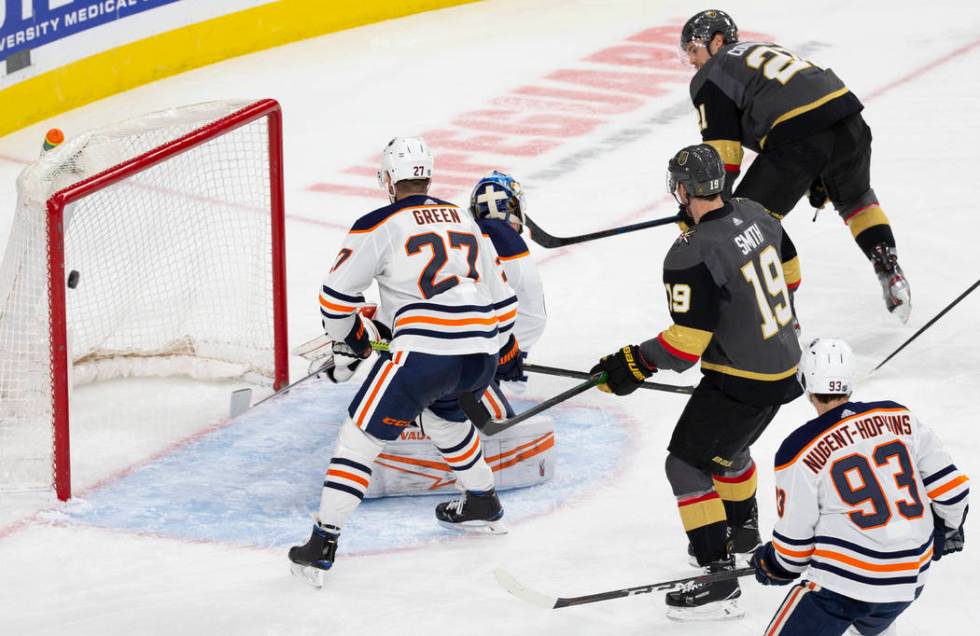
column 806, row 126
column 731, row 308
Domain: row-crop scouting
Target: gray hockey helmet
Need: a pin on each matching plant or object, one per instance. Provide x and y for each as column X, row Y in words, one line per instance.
column 699, row 168
column 703, row 26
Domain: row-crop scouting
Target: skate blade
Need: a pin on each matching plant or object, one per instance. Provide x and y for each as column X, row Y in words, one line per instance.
column 476, row 527
column 309, row 574
column 718, row 611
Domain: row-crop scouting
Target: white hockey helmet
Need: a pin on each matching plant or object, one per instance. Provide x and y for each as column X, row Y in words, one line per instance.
column 404, row 158
column 827, row 367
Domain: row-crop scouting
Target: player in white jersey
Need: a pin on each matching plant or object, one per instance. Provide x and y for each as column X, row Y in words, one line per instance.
column 498, row 205
column 867, row 498
column 450, row 312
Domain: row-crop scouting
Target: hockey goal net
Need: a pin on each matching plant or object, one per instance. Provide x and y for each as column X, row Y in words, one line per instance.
column 151, row 247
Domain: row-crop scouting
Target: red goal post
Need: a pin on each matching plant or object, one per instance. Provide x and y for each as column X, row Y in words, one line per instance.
column 175, row 223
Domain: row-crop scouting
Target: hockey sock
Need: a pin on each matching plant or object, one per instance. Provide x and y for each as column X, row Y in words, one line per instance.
column 459, row 445
column 348, row 475
column 701, row 508
column 737, row 492
column 869, row 226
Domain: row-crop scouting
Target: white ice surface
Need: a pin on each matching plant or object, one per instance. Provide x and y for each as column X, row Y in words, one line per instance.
column 71, row 571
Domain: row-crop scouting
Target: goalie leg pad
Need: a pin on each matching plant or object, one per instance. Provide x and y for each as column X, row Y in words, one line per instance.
column 348, row 475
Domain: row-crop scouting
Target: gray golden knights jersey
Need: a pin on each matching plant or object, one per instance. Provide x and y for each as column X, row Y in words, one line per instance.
column 730, row 303
column 759, row 94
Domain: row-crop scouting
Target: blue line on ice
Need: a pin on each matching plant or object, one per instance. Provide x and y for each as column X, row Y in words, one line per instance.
column 256, row 481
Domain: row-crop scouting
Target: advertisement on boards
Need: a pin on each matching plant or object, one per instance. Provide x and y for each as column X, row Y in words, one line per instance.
column 29, row 24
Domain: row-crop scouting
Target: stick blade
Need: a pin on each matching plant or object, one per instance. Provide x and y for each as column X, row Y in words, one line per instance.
column 521, row 591
column 241, row 400
column 541, row 237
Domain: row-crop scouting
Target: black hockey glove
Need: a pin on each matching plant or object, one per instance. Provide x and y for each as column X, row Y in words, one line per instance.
column 767, row 569
column 817, row 194
column 946, row 540
column 626, row 370
column 357, row 343
column 510, row 362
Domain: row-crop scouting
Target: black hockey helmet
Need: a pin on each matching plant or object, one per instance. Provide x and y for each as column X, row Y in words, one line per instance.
column 699, row 168
column 703, row 26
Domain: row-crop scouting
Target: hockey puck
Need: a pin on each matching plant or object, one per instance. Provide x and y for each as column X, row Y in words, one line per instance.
column 73, row 279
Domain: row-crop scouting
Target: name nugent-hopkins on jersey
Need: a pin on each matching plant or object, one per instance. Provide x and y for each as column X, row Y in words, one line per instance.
column 854, row 489
column 427, row 257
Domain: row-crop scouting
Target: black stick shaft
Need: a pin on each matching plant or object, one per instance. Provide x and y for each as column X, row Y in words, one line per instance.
column 582, row 375
column 495, row 426
column 653, row 587
column 928, row 324
column 544, row 239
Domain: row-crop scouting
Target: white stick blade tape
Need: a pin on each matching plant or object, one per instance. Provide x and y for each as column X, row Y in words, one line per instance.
column 523, row 592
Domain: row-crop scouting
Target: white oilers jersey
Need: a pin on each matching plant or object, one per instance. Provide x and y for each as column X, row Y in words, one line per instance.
column 523, row 277
column 855, row 492
column 442, row 290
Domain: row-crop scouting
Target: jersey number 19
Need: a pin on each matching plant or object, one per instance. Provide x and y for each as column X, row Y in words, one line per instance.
column 772, row 280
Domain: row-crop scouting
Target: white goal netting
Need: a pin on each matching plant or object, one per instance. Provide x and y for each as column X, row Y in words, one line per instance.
column 174, row 268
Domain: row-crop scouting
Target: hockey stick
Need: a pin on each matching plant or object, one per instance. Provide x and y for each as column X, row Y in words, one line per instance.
column 526, row 594
column 549, row 241
column 241, row 399
column 494, row 426
column 582, row 375
column 927, row 325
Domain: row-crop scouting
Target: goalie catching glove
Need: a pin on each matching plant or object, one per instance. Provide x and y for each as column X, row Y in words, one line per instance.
column 625, row 370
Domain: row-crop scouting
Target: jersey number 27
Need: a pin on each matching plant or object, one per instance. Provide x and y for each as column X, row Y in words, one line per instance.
column 428, row 284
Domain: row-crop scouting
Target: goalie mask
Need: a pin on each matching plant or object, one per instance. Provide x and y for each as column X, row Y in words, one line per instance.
column 498, row 196
column 404, row 158
column 827, row 367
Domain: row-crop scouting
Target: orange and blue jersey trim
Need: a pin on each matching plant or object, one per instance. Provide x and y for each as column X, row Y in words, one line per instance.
column 337, row 305
column 800, row 440
column 506, row 241
column 373, row 220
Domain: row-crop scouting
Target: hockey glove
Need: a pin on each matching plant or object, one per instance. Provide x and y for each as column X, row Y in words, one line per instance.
column 357, row 343
column 946, row 540
column 336, row 368
column 817, row 194
column 510, row 362
column 626, row 370
column 767, row 570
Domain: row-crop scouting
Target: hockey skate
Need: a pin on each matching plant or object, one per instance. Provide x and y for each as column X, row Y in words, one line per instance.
column 310, row 560
column 715, row 601
column 894, row 286
column 475, row 512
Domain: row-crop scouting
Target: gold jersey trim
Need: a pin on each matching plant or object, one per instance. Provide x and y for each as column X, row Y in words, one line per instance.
column 805, row 108
column 752, row 375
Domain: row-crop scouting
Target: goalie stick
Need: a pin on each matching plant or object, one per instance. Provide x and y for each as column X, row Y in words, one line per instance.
column 549, row 241
column 582, row 375
column 540, row 599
